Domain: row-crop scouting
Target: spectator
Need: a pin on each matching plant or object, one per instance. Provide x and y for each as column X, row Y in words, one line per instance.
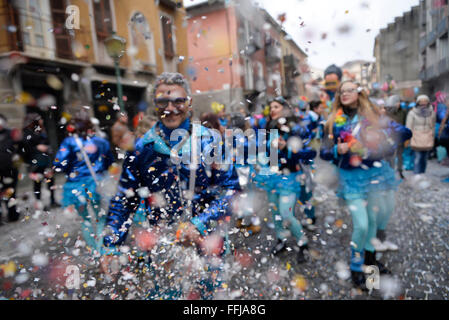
column 396, row 113
column 8, row 171
column 37, row 153
column 421, row 121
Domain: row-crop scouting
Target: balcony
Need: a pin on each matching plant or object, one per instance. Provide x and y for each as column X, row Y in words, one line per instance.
column 423, row 44
column 431, row 72
column 443, row 26
column 443, row 66
column 290, row 62
column 422, row 75
column 171, row 4
column 273, row 54
column 432, row 37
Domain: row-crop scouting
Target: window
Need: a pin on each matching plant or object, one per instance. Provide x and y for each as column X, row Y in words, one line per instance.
column 63, row 40
column 167, row 33
column 141, row 34
column 103, row 19
column 31, row 23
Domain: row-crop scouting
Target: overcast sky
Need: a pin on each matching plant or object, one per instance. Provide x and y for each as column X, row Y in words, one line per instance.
column 335, row 31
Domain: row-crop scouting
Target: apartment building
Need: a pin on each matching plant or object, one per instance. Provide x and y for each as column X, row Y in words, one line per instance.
column 239, row 56
column 53, row 57
column 397, row 54
column 434, row 46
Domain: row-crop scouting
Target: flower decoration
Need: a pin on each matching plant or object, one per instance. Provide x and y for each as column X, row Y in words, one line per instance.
column 340, row 119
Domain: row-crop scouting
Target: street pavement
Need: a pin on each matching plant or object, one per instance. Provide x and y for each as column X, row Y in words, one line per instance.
column 37, row 253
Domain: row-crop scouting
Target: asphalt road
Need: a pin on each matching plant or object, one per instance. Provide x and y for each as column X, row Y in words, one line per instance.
column 43, row 252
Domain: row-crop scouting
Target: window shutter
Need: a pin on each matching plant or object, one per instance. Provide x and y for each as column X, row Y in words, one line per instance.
column 63, row 40
column 167, row 32
column 12, row 16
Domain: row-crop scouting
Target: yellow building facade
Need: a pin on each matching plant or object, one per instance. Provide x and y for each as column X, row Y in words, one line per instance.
column 56, row 48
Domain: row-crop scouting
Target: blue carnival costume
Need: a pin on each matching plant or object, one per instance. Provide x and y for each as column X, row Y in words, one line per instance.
column 151, row 166
column 408, row 155
column 363, row 175
column 282, row 186
column 81, row 188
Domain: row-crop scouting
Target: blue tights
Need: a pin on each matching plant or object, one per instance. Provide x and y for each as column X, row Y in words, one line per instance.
column 387, row 205
column 282, row 207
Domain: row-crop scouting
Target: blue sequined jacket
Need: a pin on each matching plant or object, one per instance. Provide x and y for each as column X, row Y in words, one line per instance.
column 151, row 166
column 390, row 135
column 69, row 158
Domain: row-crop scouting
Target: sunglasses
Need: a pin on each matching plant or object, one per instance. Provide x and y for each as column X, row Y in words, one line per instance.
column 163, row 103
column 354, row 90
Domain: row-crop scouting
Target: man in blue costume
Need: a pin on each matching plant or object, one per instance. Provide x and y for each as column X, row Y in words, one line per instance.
column 198, row 199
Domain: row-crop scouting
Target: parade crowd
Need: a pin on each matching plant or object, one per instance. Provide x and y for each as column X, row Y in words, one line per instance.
column 369, row 141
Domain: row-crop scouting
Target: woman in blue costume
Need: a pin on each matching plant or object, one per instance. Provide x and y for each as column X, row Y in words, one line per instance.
column 357, row 141
column 84, row 158
column 283, row 184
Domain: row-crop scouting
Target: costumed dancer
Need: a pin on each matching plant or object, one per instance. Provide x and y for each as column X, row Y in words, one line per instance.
column 396, row 113
column 332, row 79
column 246, row 206
column 315, row 124
column 408, row 155
column 195, row 201
column 282, row 186
column 84, row 158
column 356, row 141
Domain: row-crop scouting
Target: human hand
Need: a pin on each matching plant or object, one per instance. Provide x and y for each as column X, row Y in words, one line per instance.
column 406, row 143
column 188, row 235
column 122, row 137
column 342, row 148
column 42, row 147
column 109, row 265
column 280, row 142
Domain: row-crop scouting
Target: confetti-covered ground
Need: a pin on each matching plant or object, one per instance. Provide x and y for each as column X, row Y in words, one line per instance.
column 38, row 252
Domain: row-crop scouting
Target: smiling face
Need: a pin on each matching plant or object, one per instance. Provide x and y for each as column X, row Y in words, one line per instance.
column 173, row 114
column 423, row 103
column 349, row 95
column 276, row 110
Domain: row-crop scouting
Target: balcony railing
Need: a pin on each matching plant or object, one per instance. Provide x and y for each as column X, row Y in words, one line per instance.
column 443, row 26
column 273, row 54
column 422, row 43
column 289, row 62
column 431, row 37
column 422, row 75
column 443, row 66
column 171, row 4
column 431, row 72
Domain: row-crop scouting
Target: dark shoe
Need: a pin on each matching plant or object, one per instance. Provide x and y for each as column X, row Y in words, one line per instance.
column 358, row 280
column 382, row 268
column 301, row 257
column 279, row 247
column 401, row 175
column 370, row 260
column 13, row 216
column 55, row 205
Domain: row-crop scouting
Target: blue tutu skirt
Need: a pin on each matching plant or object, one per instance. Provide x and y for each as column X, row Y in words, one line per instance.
column 79, row 192
column 358, row 183
column 279, row 183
